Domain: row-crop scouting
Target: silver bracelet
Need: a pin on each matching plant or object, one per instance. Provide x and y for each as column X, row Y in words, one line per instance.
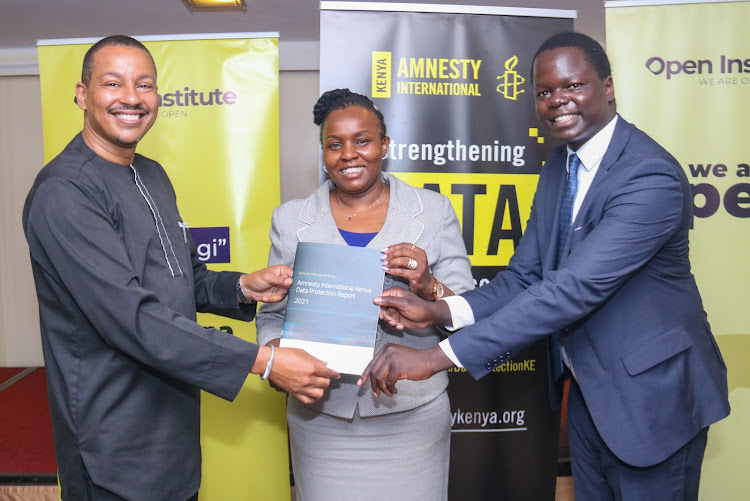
column 268, row 366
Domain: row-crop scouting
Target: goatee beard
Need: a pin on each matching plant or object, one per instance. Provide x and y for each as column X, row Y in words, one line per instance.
column 128, row 144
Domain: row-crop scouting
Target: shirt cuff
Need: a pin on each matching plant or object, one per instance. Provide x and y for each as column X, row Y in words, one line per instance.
column 446, row 347
column 462, row 316
column 461, row 313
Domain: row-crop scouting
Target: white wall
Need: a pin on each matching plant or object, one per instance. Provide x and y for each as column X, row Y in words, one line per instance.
column 20, row 159
column 299, row 155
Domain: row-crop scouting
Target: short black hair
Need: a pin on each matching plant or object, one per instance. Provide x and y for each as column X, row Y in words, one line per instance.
column 593, row 52
column 338, row 99
column 124, row 40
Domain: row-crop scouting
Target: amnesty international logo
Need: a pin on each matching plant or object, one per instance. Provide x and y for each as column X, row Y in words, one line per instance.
column 381, row 74
column 510, row 80
column 433, row 76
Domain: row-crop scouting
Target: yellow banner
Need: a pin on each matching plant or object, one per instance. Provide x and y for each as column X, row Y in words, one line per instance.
column 685, row 80
column 217, row 137
column 492, row 208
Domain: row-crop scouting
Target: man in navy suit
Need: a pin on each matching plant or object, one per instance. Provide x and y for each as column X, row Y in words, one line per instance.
column 606, row 280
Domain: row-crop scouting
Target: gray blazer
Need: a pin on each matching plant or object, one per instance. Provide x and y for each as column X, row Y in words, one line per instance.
column 415, row 215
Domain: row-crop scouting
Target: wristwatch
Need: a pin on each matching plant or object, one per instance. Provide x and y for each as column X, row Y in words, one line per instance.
column 240, row 294
column 437, row 290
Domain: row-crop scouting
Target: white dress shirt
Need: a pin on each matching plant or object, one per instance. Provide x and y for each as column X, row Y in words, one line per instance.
column 590, row 154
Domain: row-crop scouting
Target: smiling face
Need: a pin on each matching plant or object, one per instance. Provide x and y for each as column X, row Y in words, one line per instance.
column 120, row 101
column 572, row 102
column 353, row 150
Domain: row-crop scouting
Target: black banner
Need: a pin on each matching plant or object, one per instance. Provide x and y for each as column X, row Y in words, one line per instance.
column 456, row 94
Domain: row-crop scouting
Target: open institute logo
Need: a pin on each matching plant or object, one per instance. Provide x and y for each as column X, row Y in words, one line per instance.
column 720, row 70
column 179, row 102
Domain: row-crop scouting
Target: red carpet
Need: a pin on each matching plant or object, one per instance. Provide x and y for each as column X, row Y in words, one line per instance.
column 25, row 429
column 8, row 372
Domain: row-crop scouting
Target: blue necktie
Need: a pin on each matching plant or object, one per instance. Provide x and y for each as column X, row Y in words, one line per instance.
column 566, row 205
column 564, row 222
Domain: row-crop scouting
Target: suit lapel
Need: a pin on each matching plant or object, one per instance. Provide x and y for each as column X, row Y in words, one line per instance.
column 400, row 223
column 316, row 223
column 555, row 192
column 620, row 138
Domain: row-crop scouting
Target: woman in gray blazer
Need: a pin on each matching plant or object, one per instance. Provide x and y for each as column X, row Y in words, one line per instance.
column 351, row 445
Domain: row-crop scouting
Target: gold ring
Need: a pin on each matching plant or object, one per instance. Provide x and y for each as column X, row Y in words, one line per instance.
column 412, row 264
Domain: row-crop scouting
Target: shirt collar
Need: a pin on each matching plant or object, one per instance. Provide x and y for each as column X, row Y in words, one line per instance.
column 593, row 150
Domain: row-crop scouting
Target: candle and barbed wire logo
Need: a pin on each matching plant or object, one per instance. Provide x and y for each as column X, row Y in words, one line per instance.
column 510, row 81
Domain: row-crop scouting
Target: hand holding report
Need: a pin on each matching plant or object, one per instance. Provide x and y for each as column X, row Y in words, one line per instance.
column 330, row 311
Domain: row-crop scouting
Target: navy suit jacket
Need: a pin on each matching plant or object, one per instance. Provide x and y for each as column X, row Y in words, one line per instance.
column 623, row 299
